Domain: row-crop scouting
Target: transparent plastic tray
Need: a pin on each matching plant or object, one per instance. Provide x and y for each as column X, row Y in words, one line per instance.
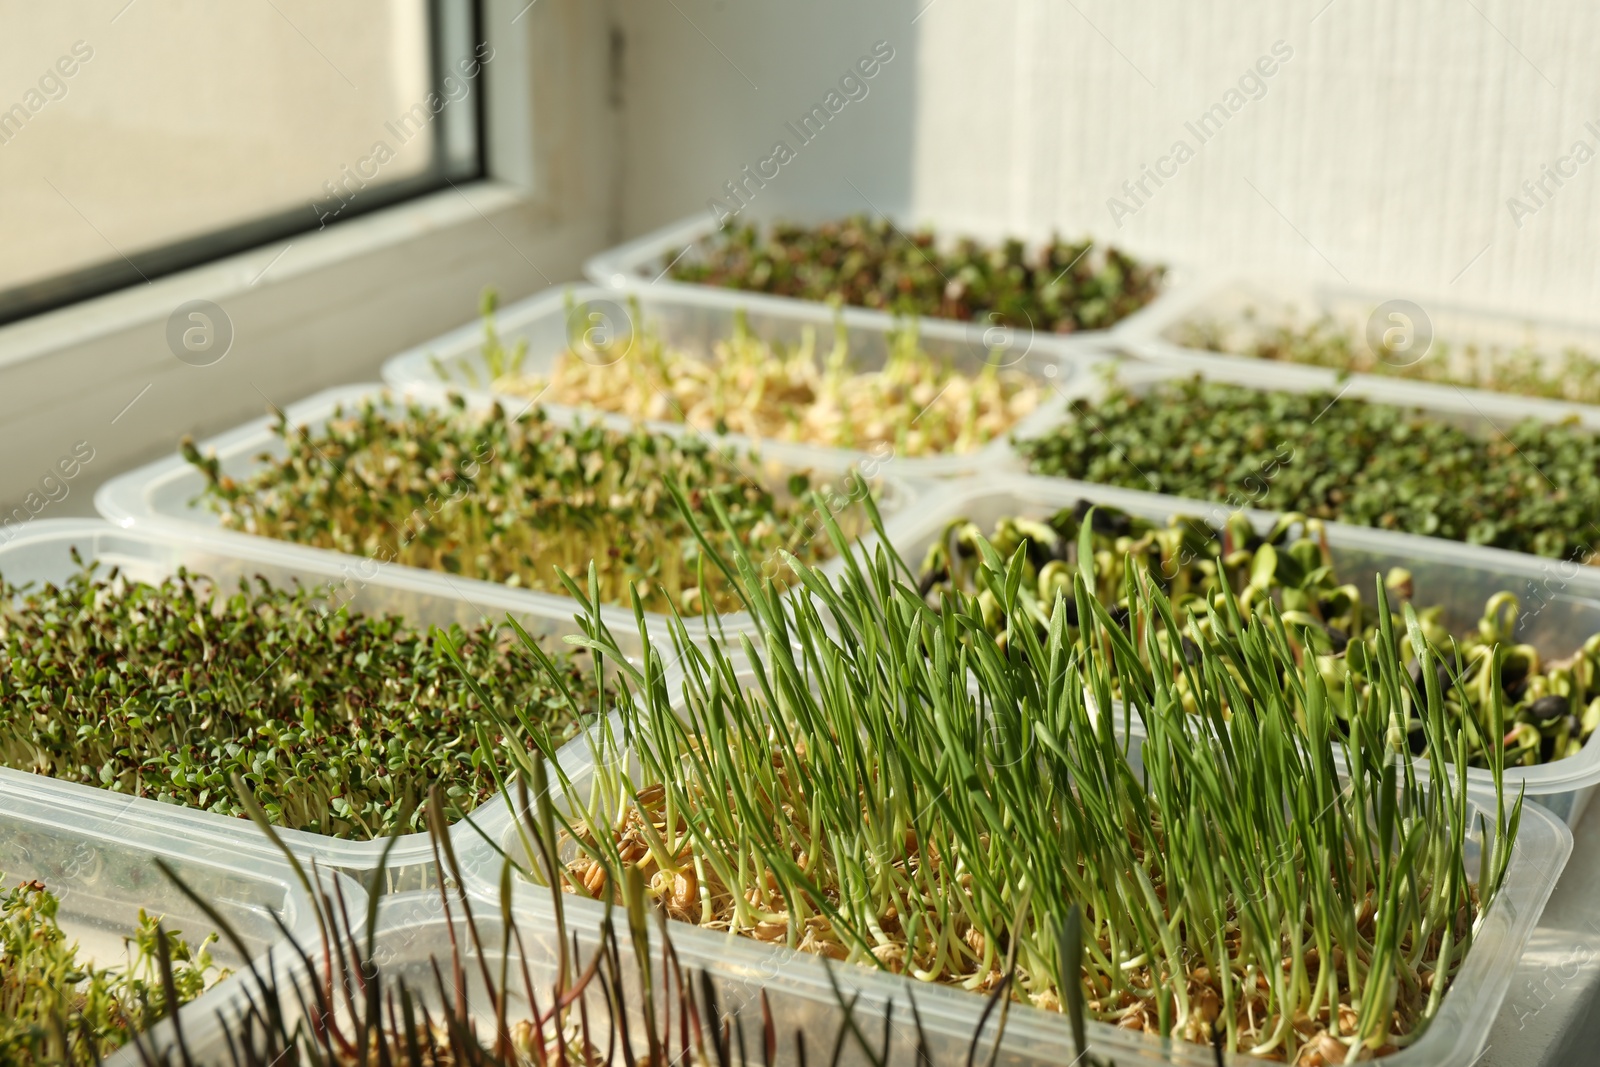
column 696, row 317
column 41, row 552
column 161, row 495
column 951, row 1016
column 99, row 861
column 1459, row 578
column 415, row 933
column 640, row 262
column 1155, row 334
column 1477, row 412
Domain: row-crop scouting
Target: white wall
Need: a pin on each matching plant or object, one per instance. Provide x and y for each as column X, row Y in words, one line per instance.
column 1383, row 150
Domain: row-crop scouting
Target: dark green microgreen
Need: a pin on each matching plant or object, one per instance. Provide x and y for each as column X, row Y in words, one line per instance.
column 1061, row 287
column 338, row 720
column 1530, row 487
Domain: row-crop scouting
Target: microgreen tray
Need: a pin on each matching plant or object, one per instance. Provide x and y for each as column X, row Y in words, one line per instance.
column 951, row 1016
column 1159, row 334
column 41, row 552
column 98, row 860
column 1446, row 413
column 640, row 261
column 1456, row 577
column 696, row 317
column 162, row 495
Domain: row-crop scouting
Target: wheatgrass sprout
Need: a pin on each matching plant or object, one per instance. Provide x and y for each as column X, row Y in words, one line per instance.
column 513, row 499
column 917, row 404
column 1552, row 704
column 879, row 780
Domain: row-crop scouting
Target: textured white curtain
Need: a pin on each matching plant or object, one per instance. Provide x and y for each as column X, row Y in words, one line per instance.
column 1389, row 146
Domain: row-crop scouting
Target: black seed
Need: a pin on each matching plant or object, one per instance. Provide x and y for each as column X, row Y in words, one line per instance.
column 1338, row 638
column 1191, row 651
column 932, row 578
column 1547, row 708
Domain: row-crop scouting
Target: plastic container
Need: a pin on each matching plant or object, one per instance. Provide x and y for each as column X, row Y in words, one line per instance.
column 41, row 552
column 161, row 497
column 1156, row 334
column 639, row 262
column 696, row 317
column 746, row 969
column 99, row 861
column 1557, row 616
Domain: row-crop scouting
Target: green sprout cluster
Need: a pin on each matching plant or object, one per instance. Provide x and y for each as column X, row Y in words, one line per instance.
column 882, row 781
column 1551, row 707
column 167, row 690
column 1062, row 287
column 58, row 1007
column 1523, row 370
column 1531, row 487
column 512, row 499
column 914, row 405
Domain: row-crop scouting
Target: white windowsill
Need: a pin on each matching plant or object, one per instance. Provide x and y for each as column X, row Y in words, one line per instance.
column 259, row 269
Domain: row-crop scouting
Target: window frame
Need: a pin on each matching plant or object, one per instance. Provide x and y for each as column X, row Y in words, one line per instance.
column 61, row 290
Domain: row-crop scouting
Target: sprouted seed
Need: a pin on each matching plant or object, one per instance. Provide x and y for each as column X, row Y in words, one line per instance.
column 916, row 405
column 515, row 499
column 1530, row 487
column 164, row 690
column 894, row 789
column 1060, row 287
column 1552, row 705
column 59, row 1007
column 1523, row 370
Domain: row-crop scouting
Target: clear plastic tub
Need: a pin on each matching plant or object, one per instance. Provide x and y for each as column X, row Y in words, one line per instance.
column 745, row 968
column 41, row 552
column 1557, row 617
column 161, row 496
column 99, row 861
column 640, row 261
column 696, row 317
column 1156, row 335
